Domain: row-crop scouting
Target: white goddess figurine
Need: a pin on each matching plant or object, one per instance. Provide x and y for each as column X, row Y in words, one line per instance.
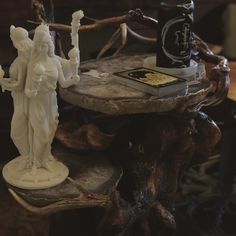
column 39, row 169
column 16, row 84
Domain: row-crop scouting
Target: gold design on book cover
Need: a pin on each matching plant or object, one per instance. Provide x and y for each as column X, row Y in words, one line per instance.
column 147, row 76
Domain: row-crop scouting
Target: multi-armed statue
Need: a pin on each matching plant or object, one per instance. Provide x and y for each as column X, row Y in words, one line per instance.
column 33, row 80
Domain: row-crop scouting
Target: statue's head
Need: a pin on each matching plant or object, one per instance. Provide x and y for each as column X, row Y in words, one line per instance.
column 20, row 39
column 43, row 43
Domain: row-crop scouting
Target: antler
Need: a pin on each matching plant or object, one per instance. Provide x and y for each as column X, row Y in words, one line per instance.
column 131, row 16
column 84, row 200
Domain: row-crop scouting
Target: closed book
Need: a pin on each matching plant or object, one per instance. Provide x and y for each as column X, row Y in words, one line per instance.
column 152, row 82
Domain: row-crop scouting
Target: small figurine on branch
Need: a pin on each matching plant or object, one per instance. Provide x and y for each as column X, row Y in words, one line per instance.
column 74, row 53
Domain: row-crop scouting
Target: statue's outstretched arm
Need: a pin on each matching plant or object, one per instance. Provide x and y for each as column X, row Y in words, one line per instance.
column 65, row 83
column 12, row 84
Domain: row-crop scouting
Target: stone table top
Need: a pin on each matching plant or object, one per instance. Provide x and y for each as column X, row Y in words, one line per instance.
column 98, row 90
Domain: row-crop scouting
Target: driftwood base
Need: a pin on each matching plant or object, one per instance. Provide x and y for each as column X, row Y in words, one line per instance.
column 160, row 148
column 153, row 151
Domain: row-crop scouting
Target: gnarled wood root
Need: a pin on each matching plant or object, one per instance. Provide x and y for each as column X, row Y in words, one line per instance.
column 168, row 145
column 159, row 151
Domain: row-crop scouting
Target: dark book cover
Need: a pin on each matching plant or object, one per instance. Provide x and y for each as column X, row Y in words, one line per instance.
column 151, row 81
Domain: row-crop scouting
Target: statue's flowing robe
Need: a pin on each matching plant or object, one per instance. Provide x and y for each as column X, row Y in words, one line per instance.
column 43, row 112
column 19, row 123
